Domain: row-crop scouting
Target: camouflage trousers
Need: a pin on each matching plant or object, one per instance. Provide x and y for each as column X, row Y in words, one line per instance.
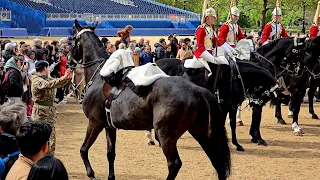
column 46, row 114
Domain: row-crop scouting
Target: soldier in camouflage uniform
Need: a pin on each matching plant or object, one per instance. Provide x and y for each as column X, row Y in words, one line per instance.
column 42, row 88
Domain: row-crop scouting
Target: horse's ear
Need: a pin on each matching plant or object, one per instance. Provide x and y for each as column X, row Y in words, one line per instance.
column 95, row 24
column 77, row 25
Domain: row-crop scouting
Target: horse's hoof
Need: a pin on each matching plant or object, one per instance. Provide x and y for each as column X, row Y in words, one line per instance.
column 262, row 142
column 253, row 140
column 240, row 148
column 314, row 116
column 281, row 121
column 151, row 143
column 240, row 123
column 298, row 133
column 290, row 116
column 94, row 178
column 111, row 178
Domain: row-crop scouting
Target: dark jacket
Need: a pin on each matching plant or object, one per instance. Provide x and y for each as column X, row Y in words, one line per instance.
column 168, row 54
column 145, row 58
column 159, row 51
column 15, row 79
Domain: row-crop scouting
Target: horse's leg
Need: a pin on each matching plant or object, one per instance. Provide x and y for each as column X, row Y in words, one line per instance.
column 233, row 125
column 297, row 98
column 169, row 148
column 311, row 93
column 238, row 116
column 157, row 138
column 149, row 136
column 255, row 126
column 93, row 130
column 278, row 113
column 111, row 135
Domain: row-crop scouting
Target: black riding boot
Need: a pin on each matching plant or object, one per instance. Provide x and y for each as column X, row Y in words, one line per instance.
column 213, row 79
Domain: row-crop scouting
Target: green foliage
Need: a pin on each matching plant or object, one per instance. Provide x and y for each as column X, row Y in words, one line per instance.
column 251, row 10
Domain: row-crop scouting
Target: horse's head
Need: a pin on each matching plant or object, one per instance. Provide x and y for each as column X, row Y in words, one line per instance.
column 83, row 43
column 312, row 51
column 291, row 49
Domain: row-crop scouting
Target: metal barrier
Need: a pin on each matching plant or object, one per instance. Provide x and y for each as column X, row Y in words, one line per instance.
column 104, row 17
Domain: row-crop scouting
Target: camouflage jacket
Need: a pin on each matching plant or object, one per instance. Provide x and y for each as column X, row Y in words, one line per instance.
column 42, row 88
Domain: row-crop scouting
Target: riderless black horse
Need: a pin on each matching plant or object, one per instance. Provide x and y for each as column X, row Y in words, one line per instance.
column 252, row 82
column 290, row 59
column 170, row 105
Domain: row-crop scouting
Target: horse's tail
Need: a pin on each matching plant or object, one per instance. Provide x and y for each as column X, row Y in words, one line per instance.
column 218, row 135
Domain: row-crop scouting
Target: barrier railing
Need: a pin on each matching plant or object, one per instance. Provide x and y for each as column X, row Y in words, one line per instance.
column 104, row 17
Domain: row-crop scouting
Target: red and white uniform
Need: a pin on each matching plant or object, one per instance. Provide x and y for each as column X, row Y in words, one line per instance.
column 270, row 32
column 314, row 31
column 206, row 39
column 228, row 32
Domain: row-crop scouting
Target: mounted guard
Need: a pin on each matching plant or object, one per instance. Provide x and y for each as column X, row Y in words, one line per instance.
column 230, row 31
column 315, row 28
column 274, row 29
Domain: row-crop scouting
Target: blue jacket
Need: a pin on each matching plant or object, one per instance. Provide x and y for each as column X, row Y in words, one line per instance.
column 145, row 58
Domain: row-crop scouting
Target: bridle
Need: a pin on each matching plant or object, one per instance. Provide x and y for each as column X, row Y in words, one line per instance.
column 75, row 44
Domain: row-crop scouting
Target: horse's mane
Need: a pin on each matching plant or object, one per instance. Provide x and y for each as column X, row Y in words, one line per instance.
column 12, row 116
column 97, row 46
column 270, row 45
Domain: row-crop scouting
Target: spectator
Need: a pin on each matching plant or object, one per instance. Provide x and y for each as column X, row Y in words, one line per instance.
column 33, row 141
column 32, row 55
column 117, row 43
column 10, row 50
column 147, row 43
column 168, row 53
column 160, row 49
column 48, row 168
column 26, row 95
column 131, row 48
column 174, row 45
column 24, row 50
column 13, row 82
column 62, row 70
column 111, row 48
column 122, row 46
column 46, row 43
column 136, row 55
column 12, row 116
column 105, row 41
column 37, row 44
column 140, row 43
column 124, row 33
column 145, row 56
column 184, row 52
column 20, row 46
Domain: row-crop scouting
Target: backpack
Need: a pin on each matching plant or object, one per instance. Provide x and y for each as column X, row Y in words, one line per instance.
column 10, row 158
column 6, row 83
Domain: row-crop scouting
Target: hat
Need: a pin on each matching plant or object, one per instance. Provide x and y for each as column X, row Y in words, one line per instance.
column 277, row 11
column 41, row 64
column 210, row 12
column 235, row 11
column 317, row 14
column 10, row 45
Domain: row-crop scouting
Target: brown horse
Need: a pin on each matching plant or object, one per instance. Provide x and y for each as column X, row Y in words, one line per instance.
column 170, row 105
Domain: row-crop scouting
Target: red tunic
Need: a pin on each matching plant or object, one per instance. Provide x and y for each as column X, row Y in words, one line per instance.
column 314, row 31
column 201, row 35
column 266, row 33
column 224, row 33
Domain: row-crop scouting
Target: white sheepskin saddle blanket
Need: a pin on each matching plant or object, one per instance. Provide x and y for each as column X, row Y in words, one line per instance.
column 146, row 74
column 140, row 76
column 243, row 47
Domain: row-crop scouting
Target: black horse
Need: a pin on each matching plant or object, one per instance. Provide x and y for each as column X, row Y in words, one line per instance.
column 170, row 105
column 255, row 84
column 289, row 59
column 313, row 84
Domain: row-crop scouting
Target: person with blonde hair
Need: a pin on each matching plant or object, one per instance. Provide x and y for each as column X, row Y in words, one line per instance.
column 314, row 30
